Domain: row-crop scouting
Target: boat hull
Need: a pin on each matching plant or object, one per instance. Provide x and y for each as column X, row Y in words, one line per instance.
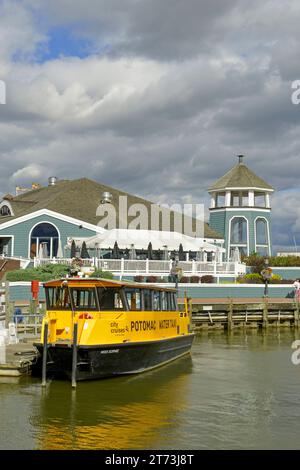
column 100, row 361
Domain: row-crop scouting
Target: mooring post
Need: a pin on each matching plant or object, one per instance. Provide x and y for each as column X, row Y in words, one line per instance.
column 230, row 315
column 265, row 314
column 296, row 314
column 7, row 305
column 74, row 355
column 45, row 354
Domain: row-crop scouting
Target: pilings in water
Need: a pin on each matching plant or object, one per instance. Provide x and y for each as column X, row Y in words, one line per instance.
column 230, row 315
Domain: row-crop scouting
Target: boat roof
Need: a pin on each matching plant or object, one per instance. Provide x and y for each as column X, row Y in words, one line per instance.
column 99, row 282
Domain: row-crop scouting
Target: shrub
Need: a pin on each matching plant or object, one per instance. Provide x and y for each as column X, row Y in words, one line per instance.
column 207, row 279
column 276, row 279
column 184, row 279
column 195, row 279
column 42, row 273
column 253, row 278
column 102, row 274
column 152, row 279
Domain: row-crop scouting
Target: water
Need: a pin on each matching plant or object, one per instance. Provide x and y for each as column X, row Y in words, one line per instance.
column 237, row 392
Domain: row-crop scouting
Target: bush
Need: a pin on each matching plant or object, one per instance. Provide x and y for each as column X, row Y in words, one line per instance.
column 195, row 279
column 276, row 279
column 48, row 272
column 152, row 279
column 184, row 279
column 102, row 274
column 42, row 273
column 253, row 278
column 207, row 279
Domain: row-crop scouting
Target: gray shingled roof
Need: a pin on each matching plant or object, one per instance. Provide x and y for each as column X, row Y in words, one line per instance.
column 240, row 176
column 78, row 199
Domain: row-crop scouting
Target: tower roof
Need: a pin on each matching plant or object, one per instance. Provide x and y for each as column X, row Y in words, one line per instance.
column 240, row 176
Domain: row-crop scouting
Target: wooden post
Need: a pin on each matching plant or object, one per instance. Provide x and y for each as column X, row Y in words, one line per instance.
column 7, row 300
column 296, row 314
column 265, row 314
column 74, row 355
column 229, row 317
column 45, row 354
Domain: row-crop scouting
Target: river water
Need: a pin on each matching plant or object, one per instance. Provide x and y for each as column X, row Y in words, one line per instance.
column 237, row 391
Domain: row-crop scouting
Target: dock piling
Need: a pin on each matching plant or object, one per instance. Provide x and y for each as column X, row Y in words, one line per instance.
column 45, row 354
column 74, row 355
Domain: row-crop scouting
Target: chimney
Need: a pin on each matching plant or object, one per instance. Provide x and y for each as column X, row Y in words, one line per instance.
column 52, row 181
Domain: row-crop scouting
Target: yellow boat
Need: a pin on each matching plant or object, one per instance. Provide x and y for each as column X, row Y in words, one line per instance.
column 96, row 328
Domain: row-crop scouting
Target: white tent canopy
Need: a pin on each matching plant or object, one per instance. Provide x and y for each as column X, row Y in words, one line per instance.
column 140, row 239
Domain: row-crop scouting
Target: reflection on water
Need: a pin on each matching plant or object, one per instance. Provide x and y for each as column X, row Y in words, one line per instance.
column 134, row 411
column 239, row 391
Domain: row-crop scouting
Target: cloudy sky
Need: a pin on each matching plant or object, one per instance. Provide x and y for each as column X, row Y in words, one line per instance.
column 153, row 97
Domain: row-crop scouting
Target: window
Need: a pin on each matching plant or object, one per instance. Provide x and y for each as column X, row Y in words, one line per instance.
column 238, row 237
column 5, row 211
column 44, row 241
column 220, row 200
column 156, row 300
column 147, row 299
column 259, row 200
column 164, row 300
column 111, row 298
column 84, row 299
column 172, row 301
column 262, row 237
column 133, row 297
column 57, row 298
column 239, row 199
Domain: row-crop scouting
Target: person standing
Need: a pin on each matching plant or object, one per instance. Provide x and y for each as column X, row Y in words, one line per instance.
column 297, row 288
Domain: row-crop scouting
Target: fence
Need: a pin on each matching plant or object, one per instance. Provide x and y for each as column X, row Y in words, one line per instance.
column 123, row 266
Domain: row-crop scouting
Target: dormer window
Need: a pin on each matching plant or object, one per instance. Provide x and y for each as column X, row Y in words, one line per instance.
column 5, row 211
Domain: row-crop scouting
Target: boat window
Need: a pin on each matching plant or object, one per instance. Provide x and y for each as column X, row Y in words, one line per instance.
column 57, row 298
column 164, row 300
column 172, row 301
column 133, row 297
column 84, row 299
column 111, row 298
column 147, row 299
column 156, row 300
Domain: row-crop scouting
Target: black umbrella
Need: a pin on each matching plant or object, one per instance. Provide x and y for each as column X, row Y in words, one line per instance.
column 181, row 253
column 84, row 252
column 116, row 251
column 150, row 251
column 73, row 249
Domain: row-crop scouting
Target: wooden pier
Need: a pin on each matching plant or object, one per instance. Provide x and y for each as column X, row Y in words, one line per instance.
column 229, row 314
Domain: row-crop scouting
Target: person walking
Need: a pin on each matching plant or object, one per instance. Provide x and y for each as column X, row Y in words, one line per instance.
column 174, row 272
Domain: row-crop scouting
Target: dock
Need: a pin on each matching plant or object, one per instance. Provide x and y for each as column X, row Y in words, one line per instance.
column 229, row 314
column 18, row 359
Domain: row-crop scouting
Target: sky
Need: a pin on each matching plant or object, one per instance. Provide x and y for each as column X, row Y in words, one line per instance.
column 153, row 97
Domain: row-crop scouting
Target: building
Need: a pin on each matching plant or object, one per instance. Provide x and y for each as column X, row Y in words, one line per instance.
column 241, row 211
column 40, row 222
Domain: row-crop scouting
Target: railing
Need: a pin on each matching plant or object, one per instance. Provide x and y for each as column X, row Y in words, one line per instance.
column 28, row 324
column 122, row 266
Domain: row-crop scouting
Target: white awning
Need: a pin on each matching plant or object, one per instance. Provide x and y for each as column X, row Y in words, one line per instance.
column 140, row 239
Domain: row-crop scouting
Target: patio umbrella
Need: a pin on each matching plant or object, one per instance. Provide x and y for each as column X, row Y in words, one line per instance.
column 181, row 253
column 84, row 253
column 41, row 251
column 116, row 251
column 236, row 255
column 132, row 252
column 73, row 249
column 166, row 253
column 150, row 251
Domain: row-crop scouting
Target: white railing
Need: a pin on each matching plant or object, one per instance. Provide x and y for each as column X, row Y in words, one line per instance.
column 123, row 267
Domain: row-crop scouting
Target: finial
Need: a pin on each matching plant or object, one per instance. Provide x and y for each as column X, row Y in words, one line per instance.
column 240, row 157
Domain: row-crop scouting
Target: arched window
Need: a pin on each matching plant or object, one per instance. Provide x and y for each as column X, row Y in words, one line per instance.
column 44, row 241
column 262, row 236
column 238, row 236
column 5, row 211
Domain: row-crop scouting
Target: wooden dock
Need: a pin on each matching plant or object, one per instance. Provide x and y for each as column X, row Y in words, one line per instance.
column 18, row 359
column 229, row 314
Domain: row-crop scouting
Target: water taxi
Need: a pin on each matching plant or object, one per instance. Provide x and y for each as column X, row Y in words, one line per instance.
column 96, row 328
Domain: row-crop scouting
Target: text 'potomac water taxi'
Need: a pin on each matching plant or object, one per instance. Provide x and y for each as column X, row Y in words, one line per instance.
column 97, row 328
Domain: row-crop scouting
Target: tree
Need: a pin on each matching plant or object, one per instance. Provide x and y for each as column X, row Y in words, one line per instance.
column 73, row 249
